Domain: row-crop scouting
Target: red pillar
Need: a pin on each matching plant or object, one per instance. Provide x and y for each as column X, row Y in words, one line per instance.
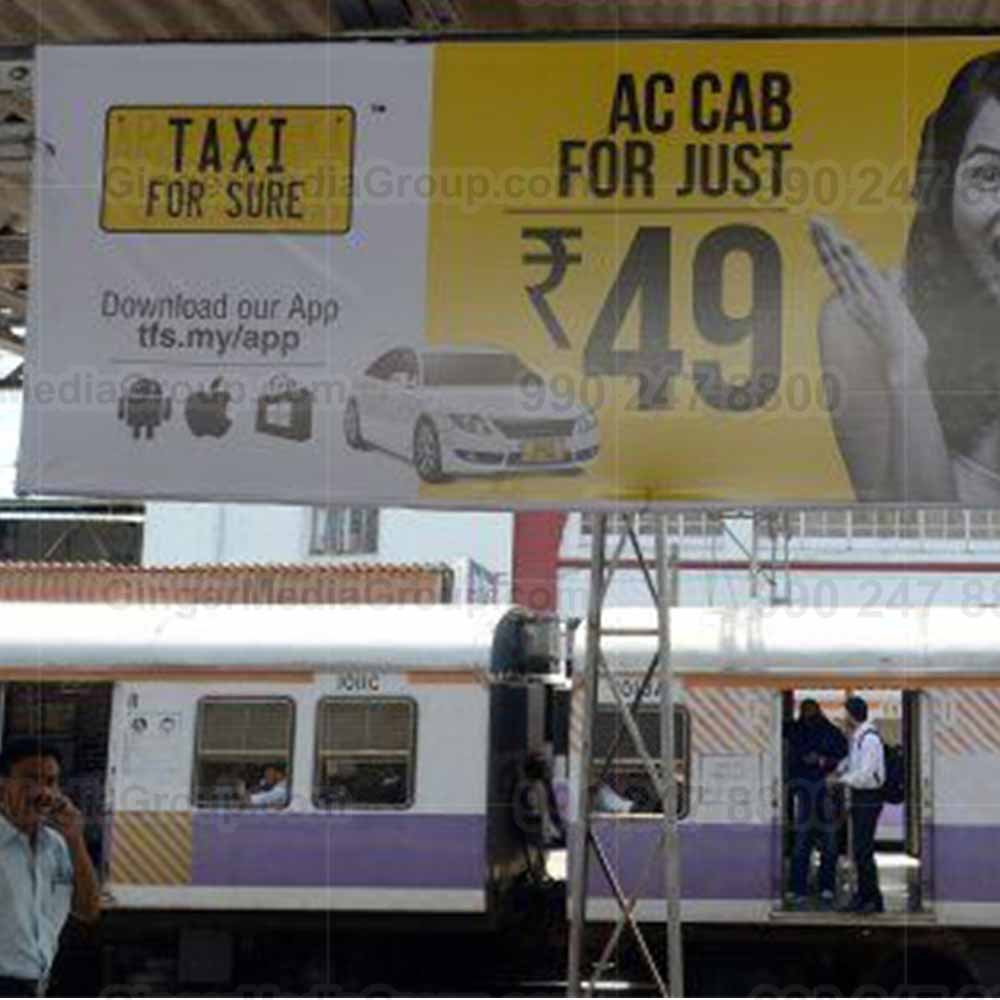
column 537, row 540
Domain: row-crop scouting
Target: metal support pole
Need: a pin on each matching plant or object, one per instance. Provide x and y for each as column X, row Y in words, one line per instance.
column 786, row 528
column 671, row 844
column 579, row 844
column 675, row 575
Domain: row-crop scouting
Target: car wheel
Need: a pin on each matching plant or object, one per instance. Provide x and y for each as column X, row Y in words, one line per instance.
column 427, row 452
column 352, row 427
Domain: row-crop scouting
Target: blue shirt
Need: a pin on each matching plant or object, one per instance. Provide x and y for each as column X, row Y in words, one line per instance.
column 36, row 890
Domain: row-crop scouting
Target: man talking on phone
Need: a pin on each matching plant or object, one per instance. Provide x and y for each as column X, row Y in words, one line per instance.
column 45, row 871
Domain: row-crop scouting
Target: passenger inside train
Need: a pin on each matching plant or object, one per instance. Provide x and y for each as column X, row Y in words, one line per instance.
column 815, row 749
column 272, row 790
column 620, row 782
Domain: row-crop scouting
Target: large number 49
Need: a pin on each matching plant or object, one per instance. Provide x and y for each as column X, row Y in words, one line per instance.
column 646, row 274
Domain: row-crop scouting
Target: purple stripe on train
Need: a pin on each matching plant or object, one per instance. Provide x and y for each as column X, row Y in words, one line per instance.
column 409, row 850
column 380, row 849
column 730, row 861
column 965, row 866
column 718, row 860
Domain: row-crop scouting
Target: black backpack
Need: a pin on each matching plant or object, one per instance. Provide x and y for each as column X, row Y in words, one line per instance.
column 894, row 784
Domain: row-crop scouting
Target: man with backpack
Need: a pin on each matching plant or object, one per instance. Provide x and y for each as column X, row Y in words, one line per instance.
column 864, row 773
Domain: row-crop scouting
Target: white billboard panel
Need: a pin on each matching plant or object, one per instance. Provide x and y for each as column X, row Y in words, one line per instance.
column 176, row 362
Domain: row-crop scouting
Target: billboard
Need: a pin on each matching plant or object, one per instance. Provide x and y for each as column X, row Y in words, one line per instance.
column 518, row 274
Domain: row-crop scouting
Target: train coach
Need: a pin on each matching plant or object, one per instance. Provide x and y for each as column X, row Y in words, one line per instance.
column 932, row 679
column 280, row 762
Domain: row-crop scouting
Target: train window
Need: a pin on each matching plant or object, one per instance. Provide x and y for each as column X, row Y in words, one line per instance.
column 625, row 786
column 244, row 753
column 365, row 753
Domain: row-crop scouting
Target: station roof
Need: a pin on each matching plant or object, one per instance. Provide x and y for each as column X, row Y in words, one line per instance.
column 28, row 22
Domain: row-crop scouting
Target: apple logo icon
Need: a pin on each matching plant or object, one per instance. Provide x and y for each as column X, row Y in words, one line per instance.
column 205, row 412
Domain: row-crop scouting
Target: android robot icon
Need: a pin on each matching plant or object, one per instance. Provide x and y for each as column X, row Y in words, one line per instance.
column 143, row 406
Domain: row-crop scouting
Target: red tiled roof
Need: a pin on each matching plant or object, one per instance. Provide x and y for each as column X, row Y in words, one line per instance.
column 338, row 583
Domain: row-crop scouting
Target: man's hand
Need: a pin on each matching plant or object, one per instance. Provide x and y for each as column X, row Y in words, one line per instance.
column 67, row 819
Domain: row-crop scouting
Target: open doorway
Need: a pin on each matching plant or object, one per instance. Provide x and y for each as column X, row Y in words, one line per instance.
column 900, row 848
column 75, row 719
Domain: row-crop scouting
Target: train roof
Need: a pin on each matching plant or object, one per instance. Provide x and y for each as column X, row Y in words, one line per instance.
column 787, row 641
column 68, row 637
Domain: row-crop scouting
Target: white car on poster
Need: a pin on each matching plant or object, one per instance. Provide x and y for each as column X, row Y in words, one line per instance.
column 466, row 411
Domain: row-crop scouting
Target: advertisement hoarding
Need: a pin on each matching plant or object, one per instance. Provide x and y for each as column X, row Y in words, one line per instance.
column 519, row 274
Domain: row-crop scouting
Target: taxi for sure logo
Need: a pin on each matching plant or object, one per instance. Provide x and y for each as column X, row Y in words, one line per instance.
column 228, row 169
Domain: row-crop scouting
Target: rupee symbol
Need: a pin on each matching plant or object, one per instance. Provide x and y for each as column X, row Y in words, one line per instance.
column 559, row 259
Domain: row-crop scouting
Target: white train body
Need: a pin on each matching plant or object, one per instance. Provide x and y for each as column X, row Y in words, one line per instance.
column 933, row 679
column 402, row 732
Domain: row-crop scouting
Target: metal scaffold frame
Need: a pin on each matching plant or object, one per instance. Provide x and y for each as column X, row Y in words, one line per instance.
column 584, row 843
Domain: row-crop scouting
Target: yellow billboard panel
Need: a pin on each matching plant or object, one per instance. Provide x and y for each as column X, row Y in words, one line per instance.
column 252, row 169
column 728, row 266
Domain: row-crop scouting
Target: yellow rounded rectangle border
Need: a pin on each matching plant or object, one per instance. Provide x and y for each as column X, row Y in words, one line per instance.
column 212, row 169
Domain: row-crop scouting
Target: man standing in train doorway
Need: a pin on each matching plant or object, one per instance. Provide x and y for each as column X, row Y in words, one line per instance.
column 816, row 747
column 863, row 772
column 45, row 870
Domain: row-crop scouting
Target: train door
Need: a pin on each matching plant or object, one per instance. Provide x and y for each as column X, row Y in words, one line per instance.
column 75, row 719
column 902, row 842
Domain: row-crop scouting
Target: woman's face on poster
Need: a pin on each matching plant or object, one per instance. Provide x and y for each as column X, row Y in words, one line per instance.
column 976, row 205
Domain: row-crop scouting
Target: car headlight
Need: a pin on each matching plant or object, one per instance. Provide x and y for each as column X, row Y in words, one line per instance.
column 586, row 423
column 471, row 423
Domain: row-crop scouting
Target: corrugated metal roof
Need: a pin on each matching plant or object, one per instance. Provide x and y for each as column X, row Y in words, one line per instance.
column 28, row 22
column 666, row 15
column 343, row 583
